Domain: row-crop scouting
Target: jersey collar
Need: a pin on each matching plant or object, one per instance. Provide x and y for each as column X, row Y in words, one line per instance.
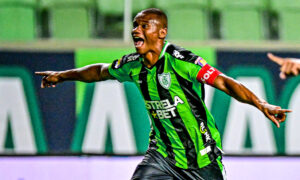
column 162, row 53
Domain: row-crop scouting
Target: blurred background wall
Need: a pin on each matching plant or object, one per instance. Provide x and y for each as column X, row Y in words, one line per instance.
column 109, row 118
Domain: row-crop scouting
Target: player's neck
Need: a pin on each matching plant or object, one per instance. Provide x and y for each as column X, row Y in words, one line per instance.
column 152, row 56
column 150, row 59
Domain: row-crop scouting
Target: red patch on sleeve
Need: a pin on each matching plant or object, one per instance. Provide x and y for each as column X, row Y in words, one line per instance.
column 207, row 74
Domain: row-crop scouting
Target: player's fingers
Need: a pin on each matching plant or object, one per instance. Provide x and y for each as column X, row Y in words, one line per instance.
column 279, row 111
column 295, row 71
column 275, row 121
column 281, row 117
column 45, row 73
column 275, row 59
column 289, row 68
column 281, row 114
column 272, row 118
column 285, row 110
column 282, row 75
column 43, row 83
column 283, row 67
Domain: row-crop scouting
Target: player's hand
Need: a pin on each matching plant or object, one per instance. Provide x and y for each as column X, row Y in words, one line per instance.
column 289, row 66
column 50, row 78
column 274, row 113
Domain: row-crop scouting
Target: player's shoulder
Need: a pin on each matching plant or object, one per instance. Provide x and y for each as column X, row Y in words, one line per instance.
column 181, row 53
column 126, row 60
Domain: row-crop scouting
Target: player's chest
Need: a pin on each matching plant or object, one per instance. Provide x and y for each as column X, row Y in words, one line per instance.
column 154, row 80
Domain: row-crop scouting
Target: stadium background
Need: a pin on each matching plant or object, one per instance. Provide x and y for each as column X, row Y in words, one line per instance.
column 69, row 131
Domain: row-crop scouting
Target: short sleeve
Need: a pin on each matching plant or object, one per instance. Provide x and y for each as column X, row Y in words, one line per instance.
column 121, row 69
column 199, row 70
column 207, row 74
column 191, row 66
column 121, row 73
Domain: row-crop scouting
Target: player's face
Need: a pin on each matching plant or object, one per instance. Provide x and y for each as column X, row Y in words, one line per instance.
column 145, row 32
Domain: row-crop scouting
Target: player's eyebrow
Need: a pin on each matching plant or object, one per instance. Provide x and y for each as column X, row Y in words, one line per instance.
column 140, row 21
column 144, row 20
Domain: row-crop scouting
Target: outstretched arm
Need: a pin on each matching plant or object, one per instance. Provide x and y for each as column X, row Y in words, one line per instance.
column 288, row 66
column 90, row 73
column 242, row 94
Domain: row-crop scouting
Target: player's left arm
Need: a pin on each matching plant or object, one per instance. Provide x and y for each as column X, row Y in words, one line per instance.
column 207, row 74
column 243, row 94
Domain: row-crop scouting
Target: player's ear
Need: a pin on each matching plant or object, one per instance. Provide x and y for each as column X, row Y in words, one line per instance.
column 163, row 33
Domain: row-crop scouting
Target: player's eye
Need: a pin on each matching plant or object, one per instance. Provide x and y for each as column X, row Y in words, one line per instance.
column 144, row 26
column 135, row 24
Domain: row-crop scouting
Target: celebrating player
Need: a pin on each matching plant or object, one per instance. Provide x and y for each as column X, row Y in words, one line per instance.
column 288, row 66
column 184, row 140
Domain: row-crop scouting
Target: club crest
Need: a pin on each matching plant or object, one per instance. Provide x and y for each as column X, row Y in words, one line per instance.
column 165, row 80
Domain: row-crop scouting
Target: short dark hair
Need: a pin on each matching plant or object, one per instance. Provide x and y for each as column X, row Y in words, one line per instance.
column 159, row 13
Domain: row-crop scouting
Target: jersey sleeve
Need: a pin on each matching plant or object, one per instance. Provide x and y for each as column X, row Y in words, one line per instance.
column 192, row 67
column 197, row 70
column 207, row 74
column 121, row 68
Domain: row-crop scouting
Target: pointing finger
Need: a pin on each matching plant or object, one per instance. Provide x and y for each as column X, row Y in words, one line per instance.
column 42, row 73
column 275, row 59
column 284, row 110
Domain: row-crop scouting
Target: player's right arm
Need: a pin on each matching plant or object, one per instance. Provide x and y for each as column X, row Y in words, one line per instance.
column 90, row 73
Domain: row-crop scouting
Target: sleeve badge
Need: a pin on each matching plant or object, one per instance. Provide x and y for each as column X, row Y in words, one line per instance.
column 200, row 61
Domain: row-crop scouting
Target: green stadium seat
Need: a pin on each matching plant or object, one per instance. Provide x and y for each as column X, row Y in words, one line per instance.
column 69, row 19
column 187, row 24
column 285, row 4
column 110, row 7
column 241, row 19
column 241, row 24
column 116, row 7
column 188, row 20
column 138, row 5
column 288, row 15
column 241, row 3
column 17, row 20
column 181, row 3
column 289, row 28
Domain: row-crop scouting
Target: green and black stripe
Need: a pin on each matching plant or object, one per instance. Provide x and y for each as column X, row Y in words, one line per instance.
column 177, row 122
column 197, row 108
column 157, row 123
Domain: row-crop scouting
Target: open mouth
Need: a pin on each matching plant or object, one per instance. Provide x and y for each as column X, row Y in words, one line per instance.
column 138, row 42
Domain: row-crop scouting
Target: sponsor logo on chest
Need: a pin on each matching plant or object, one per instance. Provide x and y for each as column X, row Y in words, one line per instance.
column 163, row 109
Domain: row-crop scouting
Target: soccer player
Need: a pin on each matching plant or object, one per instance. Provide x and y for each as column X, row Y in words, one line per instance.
column 184, row 140
column 288, row 66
